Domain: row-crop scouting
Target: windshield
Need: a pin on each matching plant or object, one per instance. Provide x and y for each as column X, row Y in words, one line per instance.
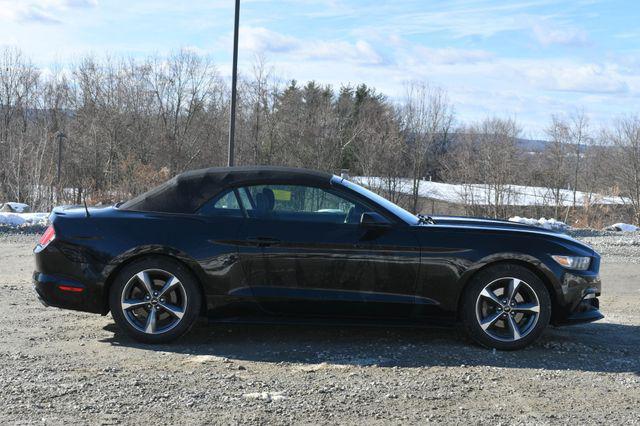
column 409, row 218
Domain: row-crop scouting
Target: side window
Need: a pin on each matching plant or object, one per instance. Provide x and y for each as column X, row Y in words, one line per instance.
column 296, row 202
column 223, row 205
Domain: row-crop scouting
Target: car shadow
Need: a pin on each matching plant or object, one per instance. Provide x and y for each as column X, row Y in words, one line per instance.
column 596, row 347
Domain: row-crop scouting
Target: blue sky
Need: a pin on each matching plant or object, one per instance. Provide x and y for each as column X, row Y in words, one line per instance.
column 526, row 59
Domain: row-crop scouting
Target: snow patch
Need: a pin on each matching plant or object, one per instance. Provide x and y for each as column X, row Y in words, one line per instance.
column 551, row 224
column 312, row 368
column 16, row 207
column 24, row 219
column 204, row 359
column 623, row 227
column 265, row 396
column 479, row 194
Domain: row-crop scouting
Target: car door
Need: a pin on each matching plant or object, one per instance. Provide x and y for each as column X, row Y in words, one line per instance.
column 226, row 285
column 316, row 258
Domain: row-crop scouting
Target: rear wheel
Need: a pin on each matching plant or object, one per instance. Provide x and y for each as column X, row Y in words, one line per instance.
column 155, row 300
column 506, row 307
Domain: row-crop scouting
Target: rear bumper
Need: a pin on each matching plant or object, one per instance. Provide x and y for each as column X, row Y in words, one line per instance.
column 62, row 292
column 63, row 283
column 40, row 299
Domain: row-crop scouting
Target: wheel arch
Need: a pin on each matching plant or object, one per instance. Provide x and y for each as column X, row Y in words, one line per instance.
column 112, row 273
column 531, row 266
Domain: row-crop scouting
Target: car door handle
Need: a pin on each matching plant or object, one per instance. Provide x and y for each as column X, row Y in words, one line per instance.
column 263, row 241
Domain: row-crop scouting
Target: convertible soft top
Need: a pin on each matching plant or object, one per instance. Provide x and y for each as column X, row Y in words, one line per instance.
column 186, row 192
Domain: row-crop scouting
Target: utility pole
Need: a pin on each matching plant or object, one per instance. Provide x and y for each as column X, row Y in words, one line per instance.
column 234, row 82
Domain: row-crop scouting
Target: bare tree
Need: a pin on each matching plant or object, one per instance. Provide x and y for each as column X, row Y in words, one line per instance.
column 18, row 89
column 378, row 148
column 181, row 86
column 555, row 168
column 132, row 123
column 486, row 160
column 625, row 136
column 257, row 134
column 426, row 118
column 579, row 137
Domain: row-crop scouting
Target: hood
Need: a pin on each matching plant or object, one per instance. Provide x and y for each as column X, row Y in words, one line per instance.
column 473, row 222
column 496, row 225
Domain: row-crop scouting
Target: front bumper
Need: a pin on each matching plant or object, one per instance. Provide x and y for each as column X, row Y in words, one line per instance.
column 580, row 296
column 588, row 310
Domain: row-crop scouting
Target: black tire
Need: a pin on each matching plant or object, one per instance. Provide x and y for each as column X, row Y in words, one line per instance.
column 188, row 296
column 499, row 333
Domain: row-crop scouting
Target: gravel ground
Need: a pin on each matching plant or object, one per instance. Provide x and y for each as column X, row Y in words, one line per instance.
column 615, row 247
column 67, row 367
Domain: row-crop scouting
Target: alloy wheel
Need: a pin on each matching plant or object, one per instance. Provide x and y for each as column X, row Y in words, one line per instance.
column 507, row 309
column 153, row 301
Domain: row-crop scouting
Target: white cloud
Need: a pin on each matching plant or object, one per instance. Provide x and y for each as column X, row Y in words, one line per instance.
column 568, row 36
column 81, row 3
column 258, row 39
column 38, row 16
column 40, row 11
column 458, row 19
column 452, row 56
column 482, row 52
column 627, row 35
column 585, row 78
column 262, row 40
column 359, row 52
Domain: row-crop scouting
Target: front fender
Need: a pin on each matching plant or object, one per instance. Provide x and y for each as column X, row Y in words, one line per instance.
column 537, row 266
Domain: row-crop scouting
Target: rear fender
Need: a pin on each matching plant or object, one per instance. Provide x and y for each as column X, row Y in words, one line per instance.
column 113, row 268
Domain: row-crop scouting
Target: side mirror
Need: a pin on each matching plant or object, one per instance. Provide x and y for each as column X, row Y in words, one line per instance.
column 374, row 219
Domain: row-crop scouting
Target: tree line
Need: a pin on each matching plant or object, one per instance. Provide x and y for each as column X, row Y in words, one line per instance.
column 125, row 125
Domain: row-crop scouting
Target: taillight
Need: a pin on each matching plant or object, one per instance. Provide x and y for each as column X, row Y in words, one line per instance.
column 48, row 236
column 71, row 289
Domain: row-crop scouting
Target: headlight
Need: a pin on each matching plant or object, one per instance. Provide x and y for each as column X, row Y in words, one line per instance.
column 574, row 262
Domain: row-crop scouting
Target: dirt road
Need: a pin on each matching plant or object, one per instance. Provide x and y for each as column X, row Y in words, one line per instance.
column 65, row 367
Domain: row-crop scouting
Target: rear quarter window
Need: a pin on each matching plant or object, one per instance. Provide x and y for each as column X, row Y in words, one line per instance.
column 225, row 204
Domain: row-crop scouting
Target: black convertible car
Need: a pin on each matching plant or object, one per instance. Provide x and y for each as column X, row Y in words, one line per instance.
column 258, row 244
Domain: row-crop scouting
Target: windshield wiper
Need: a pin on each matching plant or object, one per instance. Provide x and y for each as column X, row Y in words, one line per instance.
column 427, row 220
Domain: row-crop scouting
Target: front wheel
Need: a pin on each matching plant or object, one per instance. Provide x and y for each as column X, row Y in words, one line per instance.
column 506, row 307
column 155, row 300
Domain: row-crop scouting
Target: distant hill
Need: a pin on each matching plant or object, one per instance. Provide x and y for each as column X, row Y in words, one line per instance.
column 532, row 145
